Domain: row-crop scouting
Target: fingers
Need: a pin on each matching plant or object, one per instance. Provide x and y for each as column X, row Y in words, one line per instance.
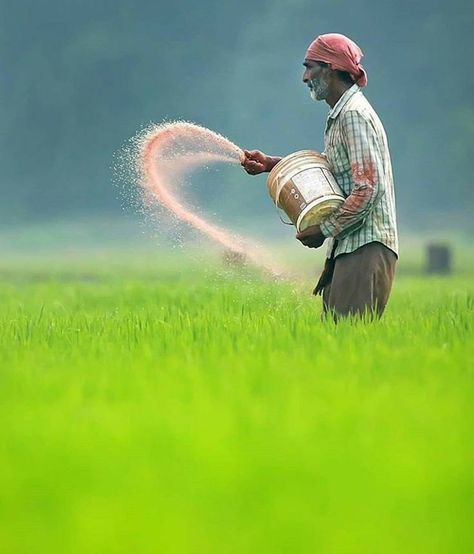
column 253, row 168
column 308, row 232
column 254, row 155
column 314, row 241
column 307, row 242
column 253, row 161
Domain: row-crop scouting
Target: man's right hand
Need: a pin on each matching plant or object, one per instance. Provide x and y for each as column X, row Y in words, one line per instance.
column 255, row 162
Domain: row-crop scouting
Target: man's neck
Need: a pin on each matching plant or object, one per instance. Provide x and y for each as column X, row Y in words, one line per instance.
column 335, row 94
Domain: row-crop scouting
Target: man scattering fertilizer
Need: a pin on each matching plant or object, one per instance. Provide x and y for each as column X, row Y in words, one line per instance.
column 363, row 246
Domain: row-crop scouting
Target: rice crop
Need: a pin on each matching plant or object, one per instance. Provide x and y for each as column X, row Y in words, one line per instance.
column 192, row 411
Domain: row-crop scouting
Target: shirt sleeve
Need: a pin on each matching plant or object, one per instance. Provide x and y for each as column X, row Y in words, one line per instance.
column 367, row 171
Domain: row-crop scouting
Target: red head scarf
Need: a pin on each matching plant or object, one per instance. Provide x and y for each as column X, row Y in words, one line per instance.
column 341, row 53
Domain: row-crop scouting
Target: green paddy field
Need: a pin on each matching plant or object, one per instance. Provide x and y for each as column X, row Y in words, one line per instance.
column 151, row 407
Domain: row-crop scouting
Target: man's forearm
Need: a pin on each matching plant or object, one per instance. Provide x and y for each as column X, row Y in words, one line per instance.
column 351, row 214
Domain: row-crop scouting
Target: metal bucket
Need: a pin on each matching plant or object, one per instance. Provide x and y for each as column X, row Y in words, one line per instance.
column 303, row 186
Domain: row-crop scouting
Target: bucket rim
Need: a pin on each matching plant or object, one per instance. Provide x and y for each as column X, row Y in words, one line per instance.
column 293, row 155
column 314, row 203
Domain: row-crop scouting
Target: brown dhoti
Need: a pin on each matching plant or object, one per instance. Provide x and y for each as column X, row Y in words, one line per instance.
column 361, row 282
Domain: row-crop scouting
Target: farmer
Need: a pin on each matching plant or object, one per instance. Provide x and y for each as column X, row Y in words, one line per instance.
column 363, row 243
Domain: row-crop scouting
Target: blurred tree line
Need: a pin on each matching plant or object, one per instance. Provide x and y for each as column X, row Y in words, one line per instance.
column 80, row 77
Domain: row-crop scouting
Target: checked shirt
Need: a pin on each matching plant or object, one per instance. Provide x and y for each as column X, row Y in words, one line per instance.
column 357, row 151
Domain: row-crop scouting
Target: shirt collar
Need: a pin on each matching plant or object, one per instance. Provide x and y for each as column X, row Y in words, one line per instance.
column 334, row 112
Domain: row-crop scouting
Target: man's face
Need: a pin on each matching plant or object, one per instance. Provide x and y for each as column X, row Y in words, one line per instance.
column 316, row 78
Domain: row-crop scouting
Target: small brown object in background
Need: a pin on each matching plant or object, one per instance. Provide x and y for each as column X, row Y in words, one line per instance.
column 232, row 258
column 438, row 259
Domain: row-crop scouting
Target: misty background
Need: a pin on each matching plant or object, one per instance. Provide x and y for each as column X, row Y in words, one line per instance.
column 79, row 78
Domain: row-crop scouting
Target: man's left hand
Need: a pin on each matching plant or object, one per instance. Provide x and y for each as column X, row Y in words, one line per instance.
column 312, row 237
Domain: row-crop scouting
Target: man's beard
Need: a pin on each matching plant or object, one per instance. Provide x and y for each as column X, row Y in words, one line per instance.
column 319, row 89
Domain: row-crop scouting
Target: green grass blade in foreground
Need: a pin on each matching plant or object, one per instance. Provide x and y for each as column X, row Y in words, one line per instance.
column 218, row 414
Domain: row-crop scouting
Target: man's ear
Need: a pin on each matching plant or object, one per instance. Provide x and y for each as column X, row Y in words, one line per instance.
column 330, row 73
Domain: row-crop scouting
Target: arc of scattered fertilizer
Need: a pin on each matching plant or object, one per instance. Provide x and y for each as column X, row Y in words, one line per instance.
column 156, row 181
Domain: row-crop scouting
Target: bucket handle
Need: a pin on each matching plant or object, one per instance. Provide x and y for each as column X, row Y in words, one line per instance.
column 281, row 219
column 277, row 196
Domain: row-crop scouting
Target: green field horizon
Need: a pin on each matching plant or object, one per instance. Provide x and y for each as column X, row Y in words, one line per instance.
column 167, row 403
